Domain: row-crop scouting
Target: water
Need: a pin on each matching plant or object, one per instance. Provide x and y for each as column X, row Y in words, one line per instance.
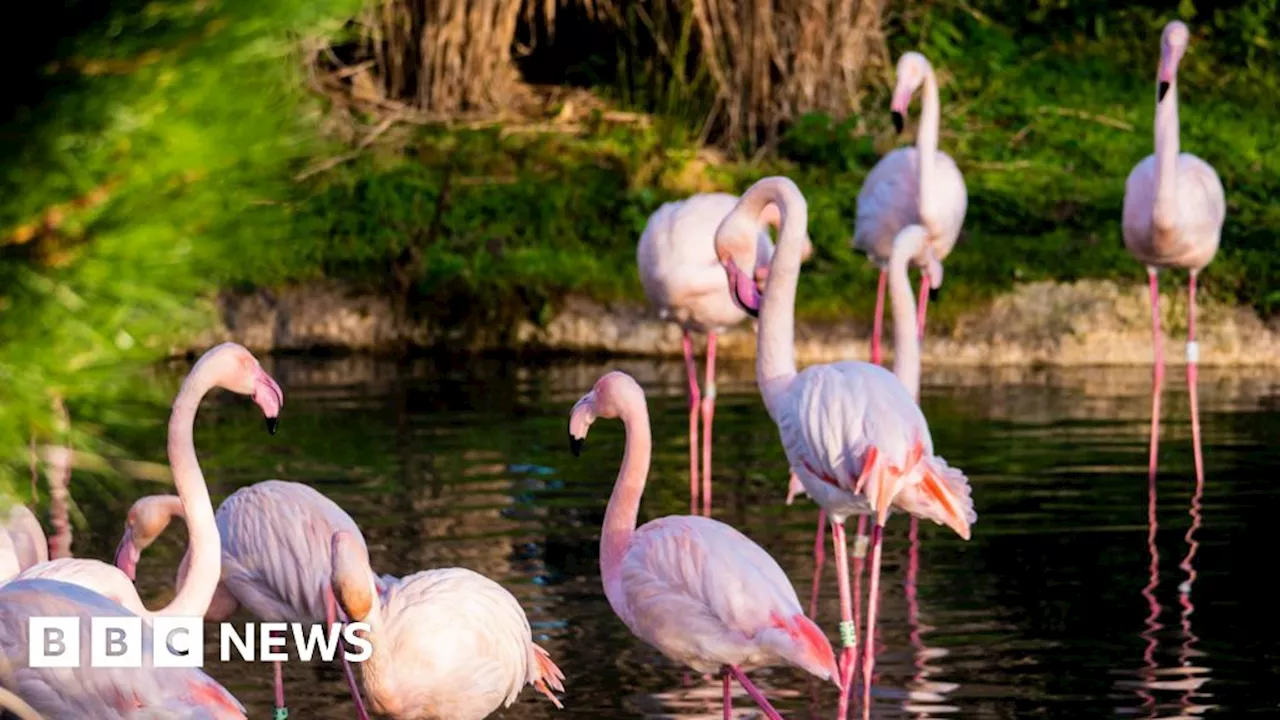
column 1063, row 604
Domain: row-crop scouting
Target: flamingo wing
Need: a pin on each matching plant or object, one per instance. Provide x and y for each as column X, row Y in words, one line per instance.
column 94, row 575
column 96, row 692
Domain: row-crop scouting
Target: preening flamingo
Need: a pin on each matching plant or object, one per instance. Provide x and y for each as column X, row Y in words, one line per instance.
column 694, row 588
column 918, row 185
column 97, row 692
column 229, row 366
column 448, row 644
column 852, row 432
column 275, row 556
column 682, row 279
column 1174, row 207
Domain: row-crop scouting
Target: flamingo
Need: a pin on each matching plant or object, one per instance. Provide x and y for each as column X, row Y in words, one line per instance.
column 96, row 692
column 1174, row 207
column 696, row 589
column 681, row 277
column 448, row 644
column 228, row 366
column 908, row 246
column 16, row 706
column 275, row 562
column 911, row 185
column 852, row 431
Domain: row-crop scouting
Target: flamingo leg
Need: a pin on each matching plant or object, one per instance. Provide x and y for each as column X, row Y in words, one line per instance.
column 878, row 325
column 860, row 542
column 754, row 692
column 695, row 399
column 869, row 648
column 1157, row 382
column 281, row 712
column 922, row 305
column 848, row 629
column 819, row 557
column 1193, row 357
column 708, row 412
column 331, row 616
column 728, row 696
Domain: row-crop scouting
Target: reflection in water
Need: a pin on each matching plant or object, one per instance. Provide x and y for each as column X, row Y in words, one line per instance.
column 448, row 462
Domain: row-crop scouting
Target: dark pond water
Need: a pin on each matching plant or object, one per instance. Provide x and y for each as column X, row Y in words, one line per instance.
column 1080, row 595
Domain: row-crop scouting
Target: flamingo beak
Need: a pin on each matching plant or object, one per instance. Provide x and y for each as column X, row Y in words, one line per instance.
column 267, row 394
column 899, row 122
column 898, row 108
column 127, row 555
column 1162, row 90
column 744, row 289
column 580, row 419
column 575, row 445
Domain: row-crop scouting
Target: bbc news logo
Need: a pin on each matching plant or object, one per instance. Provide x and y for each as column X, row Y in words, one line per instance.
column 178, row 642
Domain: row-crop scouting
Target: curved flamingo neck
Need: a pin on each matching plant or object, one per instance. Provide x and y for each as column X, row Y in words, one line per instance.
column 775, row 353
column 927, row 146
column 906, row 341
column 1165, row 211
column 205, row 546
column 624, row 503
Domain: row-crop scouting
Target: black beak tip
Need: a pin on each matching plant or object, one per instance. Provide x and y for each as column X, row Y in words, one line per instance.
column 575, row 445
column 898, row 122
column 1161, row 91
column 272, row 424
column 753, row 312
column 934, row 294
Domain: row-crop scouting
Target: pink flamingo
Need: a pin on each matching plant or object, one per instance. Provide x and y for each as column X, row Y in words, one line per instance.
column 1174, row 207
column 694, row 588
column 275, row 557
column 229, row 366
column 683, row 280
column 96, row 692
column 448, row 644
column 909, row 186
column 909, row 245
column 852, row 432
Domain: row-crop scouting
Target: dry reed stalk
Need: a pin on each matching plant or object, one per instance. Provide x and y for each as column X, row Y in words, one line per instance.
column 773, row 60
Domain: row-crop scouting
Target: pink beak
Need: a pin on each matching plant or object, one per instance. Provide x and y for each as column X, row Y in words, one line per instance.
column 267, row 394
column 899, row 106
column 743, row 287
column 127, row 555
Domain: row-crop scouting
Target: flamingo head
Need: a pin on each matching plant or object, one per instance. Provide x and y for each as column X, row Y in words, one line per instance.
column 744, row 253
column 354, row 585
column 1173, row 43
column 241, row 373
column 913, row 68
column 146, row 521
column 612, row 394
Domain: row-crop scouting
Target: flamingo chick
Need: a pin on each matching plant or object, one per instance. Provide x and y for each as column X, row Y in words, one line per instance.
column 699, row 591
column 448, row 644
column 97, row 692
column 852, row 431
column 682, row 279
column 909, row 186
column 275, row 556
column 1174, row 208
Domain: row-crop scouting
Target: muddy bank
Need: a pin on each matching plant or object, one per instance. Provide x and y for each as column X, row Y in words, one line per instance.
column 1084, row 323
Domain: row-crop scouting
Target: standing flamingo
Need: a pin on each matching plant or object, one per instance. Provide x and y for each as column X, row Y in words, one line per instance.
column 852, row 432
column 909, row 186
column 228, row 366
column 694, row 588
column 448, row 644
column 275, row 556
column 96, row 692
column 1174, row 207
column 908, row 246
column 682, row 278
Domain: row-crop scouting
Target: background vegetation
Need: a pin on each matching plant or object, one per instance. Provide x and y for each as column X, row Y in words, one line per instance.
column 162, row 150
